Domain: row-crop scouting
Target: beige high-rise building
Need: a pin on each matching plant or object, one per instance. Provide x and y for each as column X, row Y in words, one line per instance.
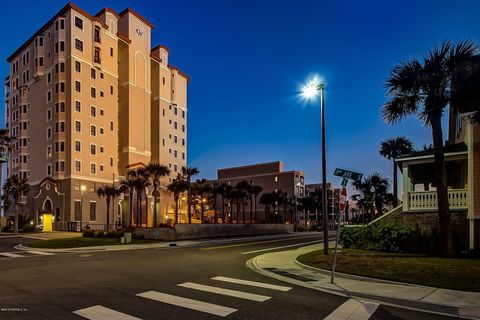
column 87, row 98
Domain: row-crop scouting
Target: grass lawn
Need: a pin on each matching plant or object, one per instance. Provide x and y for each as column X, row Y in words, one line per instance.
column 450, row 273
column 78, row 242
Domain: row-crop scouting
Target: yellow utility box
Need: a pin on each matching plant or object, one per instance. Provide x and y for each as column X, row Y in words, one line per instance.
column 47, row 222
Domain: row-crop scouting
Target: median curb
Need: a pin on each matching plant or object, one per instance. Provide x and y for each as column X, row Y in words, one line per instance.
column 305, row 277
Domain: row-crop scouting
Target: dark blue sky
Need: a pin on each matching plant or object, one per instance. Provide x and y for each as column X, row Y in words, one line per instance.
column 248, row 58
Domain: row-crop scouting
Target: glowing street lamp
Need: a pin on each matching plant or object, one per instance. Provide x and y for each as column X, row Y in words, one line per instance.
column 310, row 91
column 82, row 189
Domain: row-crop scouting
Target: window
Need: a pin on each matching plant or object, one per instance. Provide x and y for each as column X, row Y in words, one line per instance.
column 93, row 73
column 93, row 111
column 40, row 41
column 163, row 80
column 78, row 126
column 101, row 75
column 78, row 23
column 175, row 168
column 96, row 56
column 93, row 168
column 93, row 130
column 175, row 139
column 111, row 90
column 78, row 66
column 78, row 86
column 49, row 152
column 111, row 52
column 101, row 112
column 183, row 155
column 49, row 170
column 78, row 146
column 111, row 125
column 93, row 149
column 62, row 67
column 101, row 167
column 49, row 114
column 93, row 211
column 163, row 112
column 111, row 161
column 62, row 46
column 101, row 149
column 78, row 166
column 175, row 125
column 175, row 154
column 183, row 128
column 175, row 110
column 62, row 24
column 77, row 210
column 183, row 114
column 78, row 106
column 93, row 92
column 49, row 77
column 183, row 142
column 49, row 96
column 62, row 106
column 163, row 142
column 96, row 34
column 78, row 45
column 101, row 130
column 101, row 93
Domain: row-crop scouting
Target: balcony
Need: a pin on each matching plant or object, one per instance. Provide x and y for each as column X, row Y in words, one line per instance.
column 427, row 200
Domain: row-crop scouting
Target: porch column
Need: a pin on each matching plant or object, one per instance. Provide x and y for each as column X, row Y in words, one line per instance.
column 407, row 186
column 470, row 193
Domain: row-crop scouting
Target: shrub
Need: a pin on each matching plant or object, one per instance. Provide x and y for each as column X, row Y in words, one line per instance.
column 87, row 233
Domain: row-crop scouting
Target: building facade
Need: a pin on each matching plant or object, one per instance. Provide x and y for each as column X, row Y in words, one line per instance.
column 87, row 98
column 271, row 177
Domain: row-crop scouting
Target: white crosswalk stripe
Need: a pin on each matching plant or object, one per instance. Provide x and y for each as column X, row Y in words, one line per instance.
column 188, row 303
column 226, row 292
column 353, row 309
column 252, row 283
column 101, row 313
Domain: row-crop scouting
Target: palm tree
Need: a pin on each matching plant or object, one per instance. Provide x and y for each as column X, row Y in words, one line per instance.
column 223, row 190
column 6, row 146
column 109, row 193
column 373, row 193
column 157, row 171
column 255, row 191
column 15, row 187
column 188, row 173
column 202, row 189
column 141, row 178
column 267, row 199
column 129, row 184
column 245, row 187
column 423, row 89
column 177, row 187
column 391, row 149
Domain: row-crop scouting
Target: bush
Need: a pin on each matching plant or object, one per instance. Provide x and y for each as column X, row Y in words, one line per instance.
column 87, row 233
column 388, row 237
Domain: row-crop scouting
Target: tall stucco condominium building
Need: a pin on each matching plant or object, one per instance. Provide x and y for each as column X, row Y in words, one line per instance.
column 87, row 98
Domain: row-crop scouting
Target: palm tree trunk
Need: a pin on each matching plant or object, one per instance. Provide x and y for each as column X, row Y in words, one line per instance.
column 155, row 206
column 256, row 209
column 445, row 228
column 176, row 209
column 395, row 185
column 202, row 210
column 189, row 201
column 130, row 222
column 108, row 214
column 16, row 217
column 251, row 208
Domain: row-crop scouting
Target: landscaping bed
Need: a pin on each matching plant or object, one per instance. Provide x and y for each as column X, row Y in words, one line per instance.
column 449, row 273
column 78, row 242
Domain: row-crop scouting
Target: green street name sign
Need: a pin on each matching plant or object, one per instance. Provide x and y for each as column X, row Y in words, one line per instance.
column 350, row 175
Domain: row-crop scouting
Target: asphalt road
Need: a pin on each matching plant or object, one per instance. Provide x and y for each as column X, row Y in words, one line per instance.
column 54, row 286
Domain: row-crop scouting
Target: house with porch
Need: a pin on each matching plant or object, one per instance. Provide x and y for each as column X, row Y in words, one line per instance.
column 462, row 161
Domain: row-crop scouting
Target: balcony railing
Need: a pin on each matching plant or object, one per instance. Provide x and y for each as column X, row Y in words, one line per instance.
column 427, row 200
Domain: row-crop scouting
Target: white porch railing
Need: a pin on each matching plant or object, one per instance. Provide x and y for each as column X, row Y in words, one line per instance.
column 427, row 200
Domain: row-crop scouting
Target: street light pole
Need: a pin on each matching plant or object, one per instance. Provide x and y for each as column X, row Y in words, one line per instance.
column 324, row 170
column 82, row 189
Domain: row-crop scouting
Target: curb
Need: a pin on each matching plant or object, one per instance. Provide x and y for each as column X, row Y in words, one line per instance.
column 414, row 305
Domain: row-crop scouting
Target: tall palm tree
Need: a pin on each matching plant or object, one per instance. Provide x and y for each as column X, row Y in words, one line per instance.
column 15, row 187
column 157, row 171
column 423, row 89
column 203, row 190
column 141, row 182
column 245, row 187
column 109, row 193
column 391, row 149
column 255, row 191
column 6, row 146
column 129, row 183
column 223, row 190
column 177, row 187
column 373, row 193
column 188, row 173
column 268, row 199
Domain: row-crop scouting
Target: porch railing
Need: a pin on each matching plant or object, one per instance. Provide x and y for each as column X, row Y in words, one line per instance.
column 427, row 200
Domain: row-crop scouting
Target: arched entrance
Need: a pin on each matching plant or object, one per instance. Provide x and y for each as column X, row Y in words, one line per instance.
column 47, row 205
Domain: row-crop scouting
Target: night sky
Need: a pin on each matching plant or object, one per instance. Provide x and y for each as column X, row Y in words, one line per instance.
column 247, row 60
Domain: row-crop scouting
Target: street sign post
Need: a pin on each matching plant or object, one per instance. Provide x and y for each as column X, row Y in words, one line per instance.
column 343, row 204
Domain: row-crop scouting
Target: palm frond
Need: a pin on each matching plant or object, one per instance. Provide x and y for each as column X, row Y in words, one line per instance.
column 399, row 107
column 404, row 78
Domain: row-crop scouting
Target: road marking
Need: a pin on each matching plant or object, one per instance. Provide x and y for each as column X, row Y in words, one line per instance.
column 188, row 303
column 11, row 255
column 256, row 242
column 282, row 247
column 226, row 292
column 353, row 309
column 252, row 283
column 41, row 253
column 101, row 313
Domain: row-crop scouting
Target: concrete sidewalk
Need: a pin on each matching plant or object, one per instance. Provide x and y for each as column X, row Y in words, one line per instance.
column 42, row 235
column 284, row 266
